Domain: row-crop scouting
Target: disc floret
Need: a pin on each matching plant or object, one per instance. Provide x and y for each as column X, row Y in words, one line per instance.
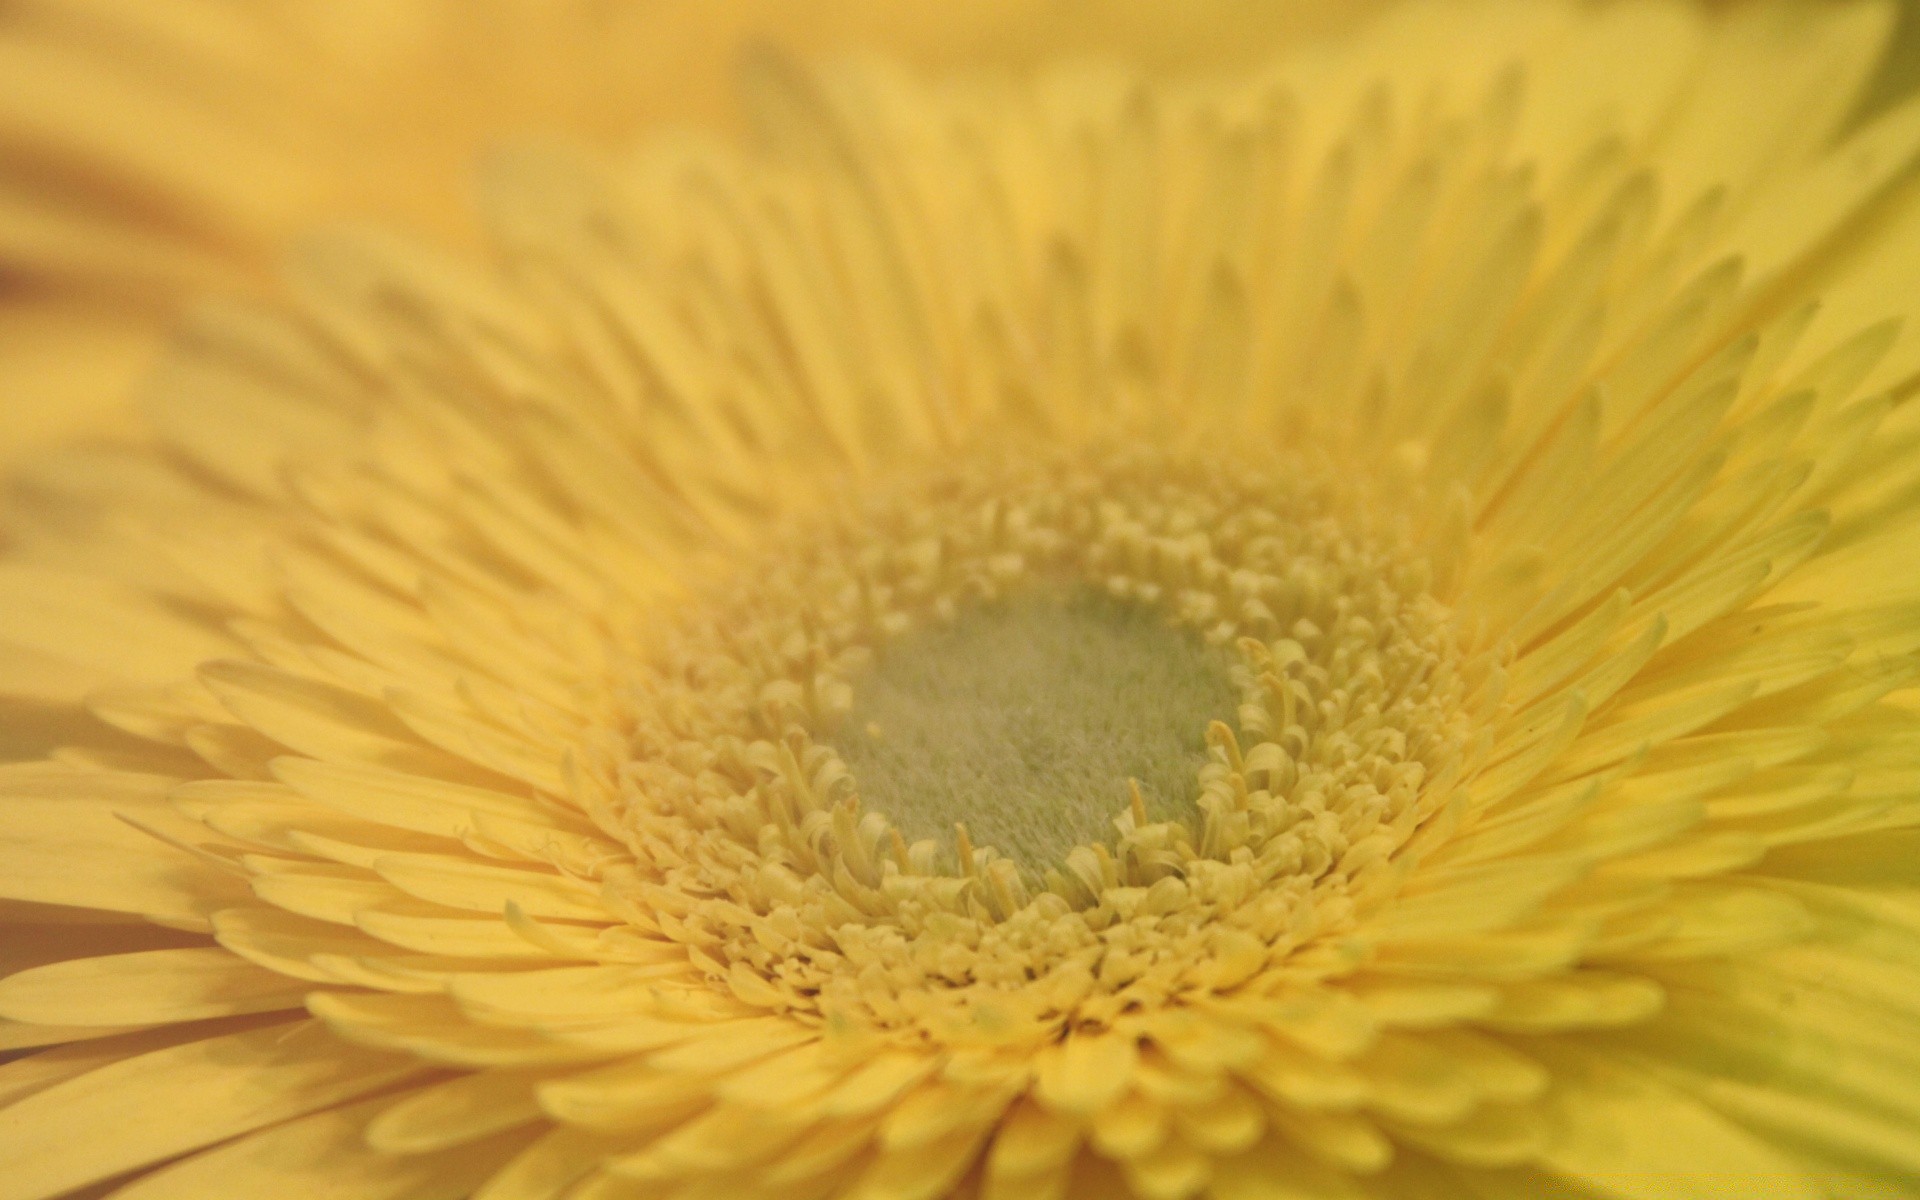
column 796, row 895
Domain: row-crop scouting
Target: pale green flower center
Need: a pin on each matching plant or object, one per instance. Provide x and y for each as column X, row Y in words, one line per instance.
column 1025, row 719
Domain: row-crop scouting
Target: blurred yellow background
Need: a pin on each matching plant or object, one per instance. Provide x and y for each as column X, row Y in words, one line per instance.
column 152, row 150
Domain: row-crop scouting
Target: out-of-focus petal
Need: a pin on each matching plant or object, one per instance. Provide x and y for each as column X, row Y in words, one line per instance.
column 65, row 366
column 155, row 150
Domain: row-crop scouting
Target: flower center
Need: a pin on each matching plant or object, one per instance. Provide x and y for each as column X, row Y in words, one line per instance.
column 1025, row 720
column 1002, row 646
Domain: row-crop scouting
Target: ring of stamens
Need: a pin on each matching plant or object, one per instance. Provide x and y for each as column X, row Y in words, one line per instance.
column 755, row 851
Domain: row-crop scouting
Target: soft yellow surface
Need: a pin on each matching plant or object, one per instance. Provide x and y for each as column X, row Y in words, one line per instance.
column 154, row 149
column 425, row 771
column 68, row 367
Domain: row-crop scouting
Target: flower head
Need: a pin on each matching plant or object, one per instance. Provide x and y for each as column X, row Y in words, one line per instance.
column 1336, row 633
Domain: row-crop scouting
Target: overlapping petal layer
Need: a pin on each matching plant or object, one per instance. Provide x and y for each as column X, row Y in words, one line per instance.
column 151, row 151
column 439, row 792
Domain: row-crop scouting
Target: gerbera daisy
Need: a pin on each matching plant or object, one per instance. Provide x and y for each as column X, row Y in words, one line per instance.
column 1346, row 632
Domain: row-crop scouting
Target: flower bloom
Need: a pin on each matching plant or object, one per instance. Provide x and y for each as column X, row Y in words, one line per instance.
column 1340, row 632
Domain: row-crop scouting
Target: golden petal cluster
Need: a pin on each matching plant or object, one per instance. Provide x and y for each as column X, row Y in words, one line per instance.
column 153, row 149
column 432, row 769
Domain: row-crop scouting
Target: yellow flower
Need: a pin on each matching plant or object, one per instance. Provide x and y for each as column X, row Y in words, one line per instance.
column 1342, row 632
column 155, row 148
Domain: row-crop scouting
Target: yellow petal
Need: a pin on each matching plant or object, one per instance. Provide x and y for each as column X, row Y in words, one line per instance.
column 152, row 987
column 479, row 887
column 405, row 800
column 326, row 1156
column 1086, row 1072
column 75, row 849
column 455, row 1113
column 153, row 1106
column 1618, row 1130
column 551, row 1165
